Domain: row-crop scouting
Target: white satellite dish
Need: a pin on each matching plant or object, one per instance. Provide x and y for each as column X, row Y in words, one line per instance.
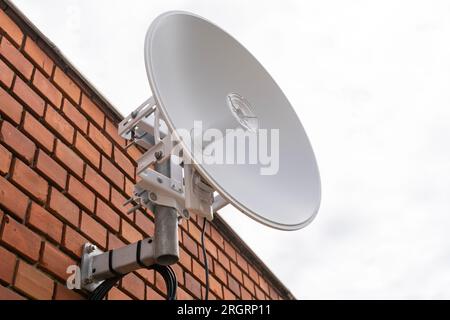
column 195, row 70
column 200, row 74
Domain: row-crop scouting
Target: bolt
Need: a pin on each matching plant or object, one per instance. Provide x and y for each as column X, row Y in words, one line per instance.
column 91, row 248
column 153, row 196
column 185, row 214
column 158, row 155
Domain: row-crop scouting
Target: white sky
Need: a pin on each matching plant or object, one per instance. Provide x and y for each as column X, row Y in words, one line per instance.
column 370, row 81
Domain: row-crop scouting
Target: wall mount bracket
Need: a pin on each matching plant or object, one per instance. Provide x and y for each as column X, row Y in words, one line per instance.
column 173, row 190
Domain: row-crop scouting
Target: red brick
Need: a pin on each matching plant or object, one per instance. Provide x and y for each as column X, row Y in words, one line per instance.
column 228, row 295
column 263, row 285
column 51, row 169
column 12, row 199
column 5, row 160
column 245, row 294
column 217, row 237
column 153, row 295
column 236, row 272
column 63, row 293
column 100, row 140
column 215, row 286
column 147, row 275
column 62, row 127
column 220, row 272
column 97, row 182
column 183, row 295
column 124, row 162
column 63, row 207
column 130, row 233
column 211, row 247
column 108, row 215
column 134, row 286
column 202, row 259
column 159, row 282
column 93, row 230
column 39, row 132
column 230, row 251
column 185, row 259
column 190, row 244
column 117, row 199
column 194, row 231
column 193, row 285
column 134, row 152
column 116, row 294
column 129, row 187
column 253, row 274
column 242, row 262
column 179, row 273
column 21, row 239
column 38, row 56
column 75, row 116
column 112, row 173
column 7, row 265
column 13, row 31
column 73, row 241
column 199, row 271
column 30, row 180
column 16, row 58
column 67, row 85
column 44, row 221
column 249, row 284
column 7, row 294
column 29, row 97
column 111, row 129
column 223, row 259
column 56, row 262
column 6, row 74
column 70, row 159
column 144, row 223
column 114, row 242
column 259, row 294
column 17, row 141
column 33, row 282
column 47, row 89
column 10, row 107
column 81, row 194
column 87, row 150
column 273, row 294
column 92, row 110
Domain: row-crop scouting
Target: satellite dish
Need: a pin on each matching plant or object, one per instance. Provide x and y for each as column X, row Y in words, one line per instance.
column 198, row 72
column 207, row 88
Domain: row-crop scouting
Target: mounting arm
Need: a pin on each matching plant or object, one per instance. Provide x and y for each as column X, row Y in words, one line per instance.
column 172, row 191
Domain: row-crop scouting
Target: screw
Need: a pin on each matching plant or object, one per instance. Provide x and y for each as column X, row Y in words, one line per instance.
column 91, row 248
column 153, row 196
column 158, row 155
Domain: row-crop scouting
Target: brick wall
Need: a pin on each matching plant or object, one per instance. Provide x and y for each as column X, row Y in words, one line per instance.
column 64, row 175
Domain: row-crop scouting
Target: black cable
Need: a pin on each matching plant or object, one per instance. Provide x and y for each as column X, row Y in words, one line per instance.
column 205, row 260
column 166, row 272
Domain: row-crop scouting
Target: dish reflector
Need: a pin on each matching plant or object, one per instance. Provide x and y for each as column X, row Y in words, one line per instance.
column 198, row 72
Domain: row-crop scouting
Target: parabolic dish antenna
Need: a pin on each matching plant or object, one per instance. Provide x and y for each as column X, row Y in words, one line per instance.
column 200, row 74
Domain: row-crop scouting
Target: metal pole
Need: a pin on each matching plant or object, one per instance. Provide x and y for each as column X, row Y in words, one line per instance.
column 166, row 227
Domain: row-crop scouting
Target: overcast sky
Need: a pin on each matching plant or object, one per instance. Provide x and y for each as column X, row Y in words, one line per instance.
column 370, row 81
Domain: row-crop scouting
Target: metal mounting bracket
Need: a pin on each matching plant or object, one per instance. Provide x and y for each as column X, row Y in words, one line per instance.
column 160, row 190
column 87, row 258
column 175, row 189
column 158, row 153
column 199, row 195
